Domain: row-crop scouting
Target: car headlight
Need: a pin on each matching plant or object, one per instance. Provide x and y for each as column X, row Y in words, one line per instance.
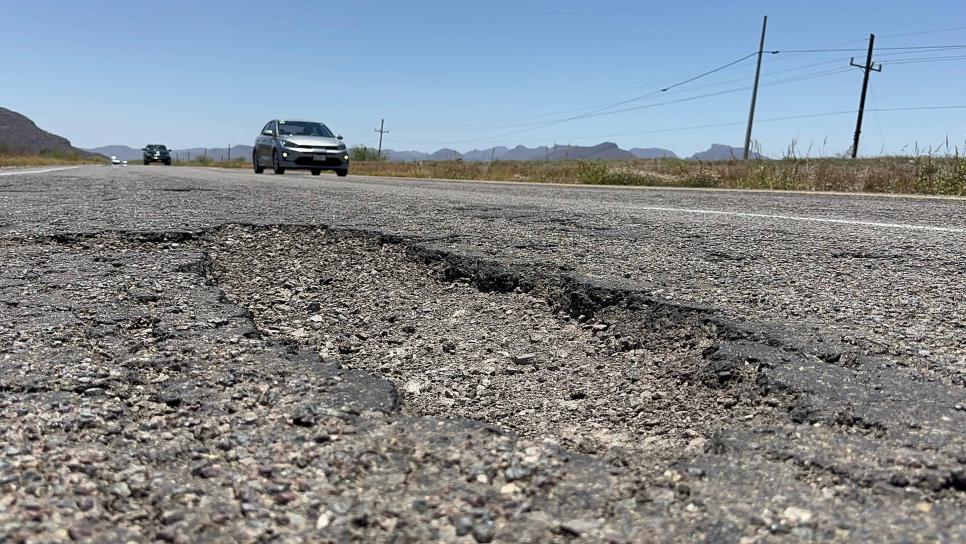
column 342, row 147
column 286, row 143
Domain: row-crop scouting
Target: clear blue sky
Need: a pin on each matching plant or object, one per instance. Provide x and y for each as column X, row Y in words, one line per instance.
column 475, row 74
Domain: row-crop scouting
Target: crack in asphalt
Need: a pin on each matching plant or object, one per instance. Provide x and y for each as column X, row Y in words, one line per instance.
column 855, row 426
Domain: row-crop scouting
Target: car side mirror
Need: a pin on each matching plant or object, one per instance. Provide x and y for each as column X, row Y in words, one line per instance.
column 339, row 137
column 268, row 133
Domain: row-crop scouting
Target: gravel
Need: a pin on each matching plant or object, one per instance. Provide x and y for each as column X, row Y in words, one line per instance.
column 452, row 350
column 499, row 365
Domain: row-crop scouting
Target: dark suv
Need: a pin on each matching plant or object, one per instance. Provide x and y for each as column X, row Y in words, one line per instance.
column 157, row 153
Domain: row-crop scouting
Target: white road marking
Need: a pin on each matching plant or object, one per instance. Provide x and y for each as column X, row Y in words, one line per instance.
column 875, row 224
column 41, row 171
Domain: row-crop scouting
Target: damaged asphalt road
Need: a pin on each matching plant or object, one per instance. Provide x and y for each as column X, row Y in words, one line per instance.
column 289, row 359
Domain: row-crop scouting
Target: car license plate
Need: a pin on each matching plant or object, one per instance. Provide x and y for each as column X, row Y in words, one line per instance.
column 319, row 157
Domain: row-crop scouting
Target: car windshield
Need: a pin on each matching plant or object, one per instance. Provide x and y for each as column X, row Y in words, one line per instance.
column 303, row 128
column 156, row 148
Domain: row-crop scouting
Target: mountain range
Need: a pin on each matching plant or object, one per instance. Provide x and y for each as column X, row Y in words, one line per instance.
column 21, row 136
column 605, row 150
column 602, row 151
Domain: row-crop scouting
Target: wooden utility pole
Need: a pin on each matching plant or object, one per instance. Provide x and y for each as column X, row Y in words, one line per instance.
column 867, row 69
column 381, row 130
column 754, row 90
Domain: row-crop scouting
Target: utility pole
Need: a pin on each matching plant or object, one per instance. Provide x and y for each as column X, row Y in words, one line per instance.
column 229, row 152
column 754, row 90
column 381, row 130
column 867, row 68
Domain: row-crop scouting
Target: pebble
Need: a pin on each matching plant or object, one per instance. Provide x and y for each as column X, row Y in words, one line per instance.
column 524, row 358
column 121, row 489
column 463, row 525
column 483, row 531
column 579, row 527
column 795, row 516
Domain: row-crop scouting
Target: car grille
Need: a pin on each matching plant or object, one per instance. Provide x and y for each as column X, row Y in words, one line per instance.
column 307, row 161
column 325, row 147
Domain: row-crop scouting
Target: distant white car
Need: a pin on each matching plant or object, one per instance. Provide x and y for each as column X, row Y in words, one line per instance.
column 115, row 160
column 124, row 163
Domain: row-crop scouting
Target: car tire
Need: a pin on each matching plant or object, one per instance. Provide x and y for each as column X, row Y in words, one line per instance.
column 167, row 163
column 258, row 168
column 147, row 162
column 316, row 171
column 342, row 172
column 276, row 167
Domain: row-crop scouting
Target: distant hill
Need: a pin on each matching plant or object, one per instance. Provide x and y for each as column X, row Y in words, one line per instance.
column 601, row 151
column 126, row 153
column 719, row 152
column 445, row 155
column 405, row 156
column 21, row 136
column 605, row 150
column 652, row 153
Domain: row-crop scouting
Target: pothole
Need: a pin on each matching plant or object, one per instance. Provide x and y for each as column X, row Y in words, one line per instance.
column 619, row 381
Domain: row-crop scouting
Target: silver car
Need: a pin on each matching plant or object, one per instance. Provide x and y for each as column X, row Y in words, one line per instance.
column 300, row 145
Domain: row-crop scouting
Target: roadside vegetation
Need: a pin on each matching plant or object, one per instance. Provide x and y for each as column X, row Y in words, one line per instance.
column 201, row 160
column 927, row 173
column 48, row 159
column 924, row 174
column 361, row 153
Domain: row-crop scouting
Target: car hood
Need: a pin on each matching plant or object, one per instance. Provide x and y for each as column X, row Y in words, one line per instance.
column 312, row 141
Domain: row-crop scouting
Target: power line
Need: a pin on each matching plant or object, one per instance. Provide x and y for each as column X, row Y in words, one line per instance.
column 581, row 113
column 765, row 75
column 922, row 60
column 848, row 50
column 615, row 108
column 802, row 77
column 665, row 89
column 609, row 108
column 920, row 33
column 598, row 109
column 738, row 123
column 728, row 91
column 788, row 54
column 709, row 72
column 602, row 112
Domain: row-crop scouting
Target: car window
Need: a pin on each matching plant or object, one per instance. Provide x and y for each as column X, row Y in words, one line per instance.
column 303, row 128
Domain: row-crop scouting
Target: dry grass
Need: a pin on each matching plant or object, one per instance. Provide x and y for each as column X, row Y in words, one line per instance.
column 47, row 160
column 923, row 174
column 207, row 161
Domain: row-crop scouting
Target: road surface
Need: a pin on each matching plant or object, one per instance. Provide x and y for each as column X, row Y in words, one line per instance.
column 195, row 352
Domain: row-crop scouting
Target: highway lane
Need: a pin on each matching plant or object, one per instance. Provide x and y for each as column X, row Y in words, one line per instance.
column 884, row 273
column 205, row 354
